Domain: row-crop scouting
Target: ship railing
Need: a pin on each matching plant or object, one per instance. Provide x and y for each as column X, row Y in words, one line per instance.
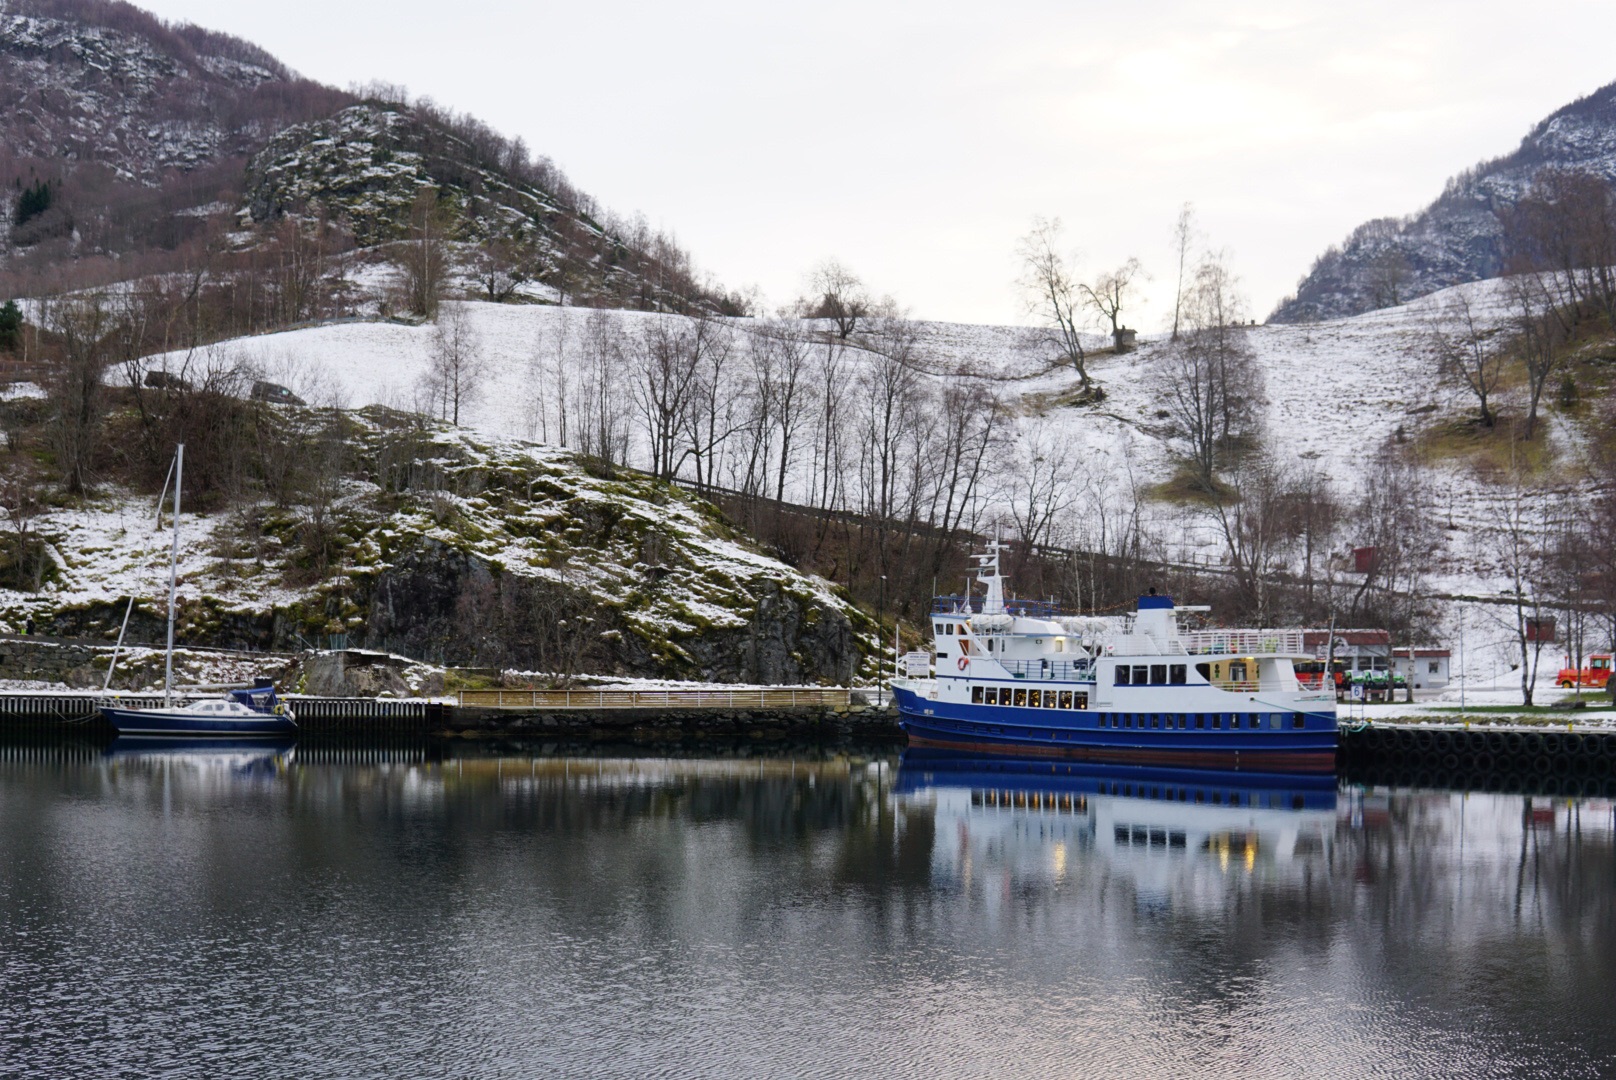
column 972, row 605
column 1059, row 670
column 1242, row 642
column 1252, row 686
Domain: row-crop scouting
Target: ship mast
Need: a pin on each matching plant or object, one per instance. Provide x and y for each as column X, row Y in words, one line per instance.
column 987, row 572
column 173, row 574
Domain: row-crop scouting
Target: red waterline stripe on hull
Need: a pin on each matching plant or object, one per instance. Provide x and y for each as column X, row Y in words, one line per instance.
column 1286, row 761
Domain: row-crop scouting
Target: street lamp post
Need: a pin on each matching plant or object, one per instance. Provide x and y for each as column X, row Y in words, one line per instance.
column 881, row 628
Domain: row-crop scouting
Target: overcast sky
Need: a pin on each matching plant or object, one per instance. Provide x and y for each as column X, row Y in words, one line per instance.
column 917, row 141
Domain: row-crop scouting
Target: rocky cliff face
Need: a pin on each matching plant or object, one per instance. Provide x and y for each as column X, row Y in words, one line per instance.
column 1458, row 238
column 465, row 551
column 132, row 94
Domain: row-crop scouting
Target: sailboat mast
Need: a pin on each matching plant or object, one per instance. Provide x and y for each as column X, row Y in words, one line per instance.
column 173, row 574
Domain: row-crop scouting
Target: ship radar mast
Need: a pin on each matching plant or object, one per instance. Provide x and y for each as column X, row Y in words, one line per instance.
column 987, row 572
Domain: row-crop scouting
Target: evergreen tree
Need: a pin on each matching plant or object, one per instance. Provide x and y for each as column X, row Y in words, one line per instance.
column 35, row 200
column 10, row 327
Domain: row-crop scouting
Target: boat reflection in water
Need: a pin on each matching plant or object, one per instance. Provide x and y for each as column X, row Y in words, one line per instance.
column 1029, row 816
column 248, row 758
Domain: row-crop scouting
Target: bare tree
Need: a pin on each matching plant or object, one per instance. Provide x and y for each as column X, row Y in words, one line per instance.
column 1512, row 534
column 714, row 414
column 1541, row 333
column 1564, row 233
column 1052, row 292
column 1388, row 275
column 604, row 399
column 502, row 265
column 665, row 362
column 1184, row 239
column 423, row 256
column 1039, row 487
column 1465, row 352
column 837, row 294
column 83, row 324
column 456, row 366
column 1110, row 291
column 1254, row 518
column 1392, row 517
column 1211, row 383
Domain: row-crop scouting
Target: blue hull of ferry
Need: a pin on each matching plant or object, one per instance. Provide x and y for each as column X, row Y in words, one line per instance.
column 921, row 768
column 166, row 724
column 1079, row 735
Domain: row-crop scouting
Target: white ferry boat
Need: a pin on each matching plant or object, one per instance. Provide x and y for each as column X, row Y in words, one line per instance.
column 1018, row 677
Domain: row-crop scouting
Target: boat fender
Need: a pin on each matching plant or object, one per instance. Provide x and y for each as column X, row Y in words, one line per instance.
column 964, row 662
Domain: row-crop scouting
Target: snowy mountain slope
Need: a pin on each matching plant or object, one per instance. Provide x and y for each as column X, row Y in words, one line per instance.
column 1458, row 238
column 139, row 98
column 1335, row 392
column 149, row 135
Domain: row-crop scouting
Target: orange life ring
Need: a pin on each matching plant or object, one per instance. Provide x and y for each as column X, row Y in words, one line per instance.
column 964, row 662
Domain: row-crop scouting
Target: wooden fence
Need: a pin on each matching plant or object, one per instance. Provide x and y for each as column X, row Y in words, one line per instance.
column 656, row 699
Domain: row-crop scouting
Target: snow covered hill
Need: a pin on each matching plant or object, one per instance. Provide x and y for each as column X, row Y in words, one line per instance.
column 1334, row 393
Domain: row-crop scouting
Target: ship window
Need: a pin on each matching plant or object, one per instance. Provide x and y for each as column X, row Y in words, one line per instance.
column 1204, row 671
column 1273, row 720
column 1175, row 674
column 1158, row 674
column 1296, row 720
column 1021, row 696
column 1234, row 720
column 977, row 696
column 1141, row 674
column 1082, row 699
column 1217, row 720
column 1183, row 721
column 1127, row 719
column 1200, row 720
column 1122, row 675
column 1066, row 699
column 1034, row 699
column 937, row 628
column 1155, row 720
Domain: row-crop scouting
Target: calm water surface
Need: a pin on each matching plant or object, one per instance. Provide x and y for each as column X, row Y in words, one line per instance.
column 398, row 912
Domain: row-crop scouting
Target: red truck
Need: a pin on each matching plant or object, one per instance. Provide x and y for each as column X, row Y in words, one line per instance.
column 1596, row 675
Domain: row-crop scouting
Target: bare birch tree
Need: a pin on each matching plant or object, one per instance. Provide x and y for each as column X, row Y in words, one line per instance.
column 1185, row 237
column 1466, row 353
column 1110, row 292
column 1053, row 293
column 456, row 365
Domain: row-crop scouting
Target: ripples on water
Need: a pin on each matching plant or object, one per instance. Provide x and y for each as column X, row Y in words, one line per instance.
column 317, row 912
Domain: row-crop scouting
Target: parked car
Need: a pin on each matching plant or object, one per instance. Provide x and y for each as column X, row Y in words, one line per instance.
column 275, row 393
